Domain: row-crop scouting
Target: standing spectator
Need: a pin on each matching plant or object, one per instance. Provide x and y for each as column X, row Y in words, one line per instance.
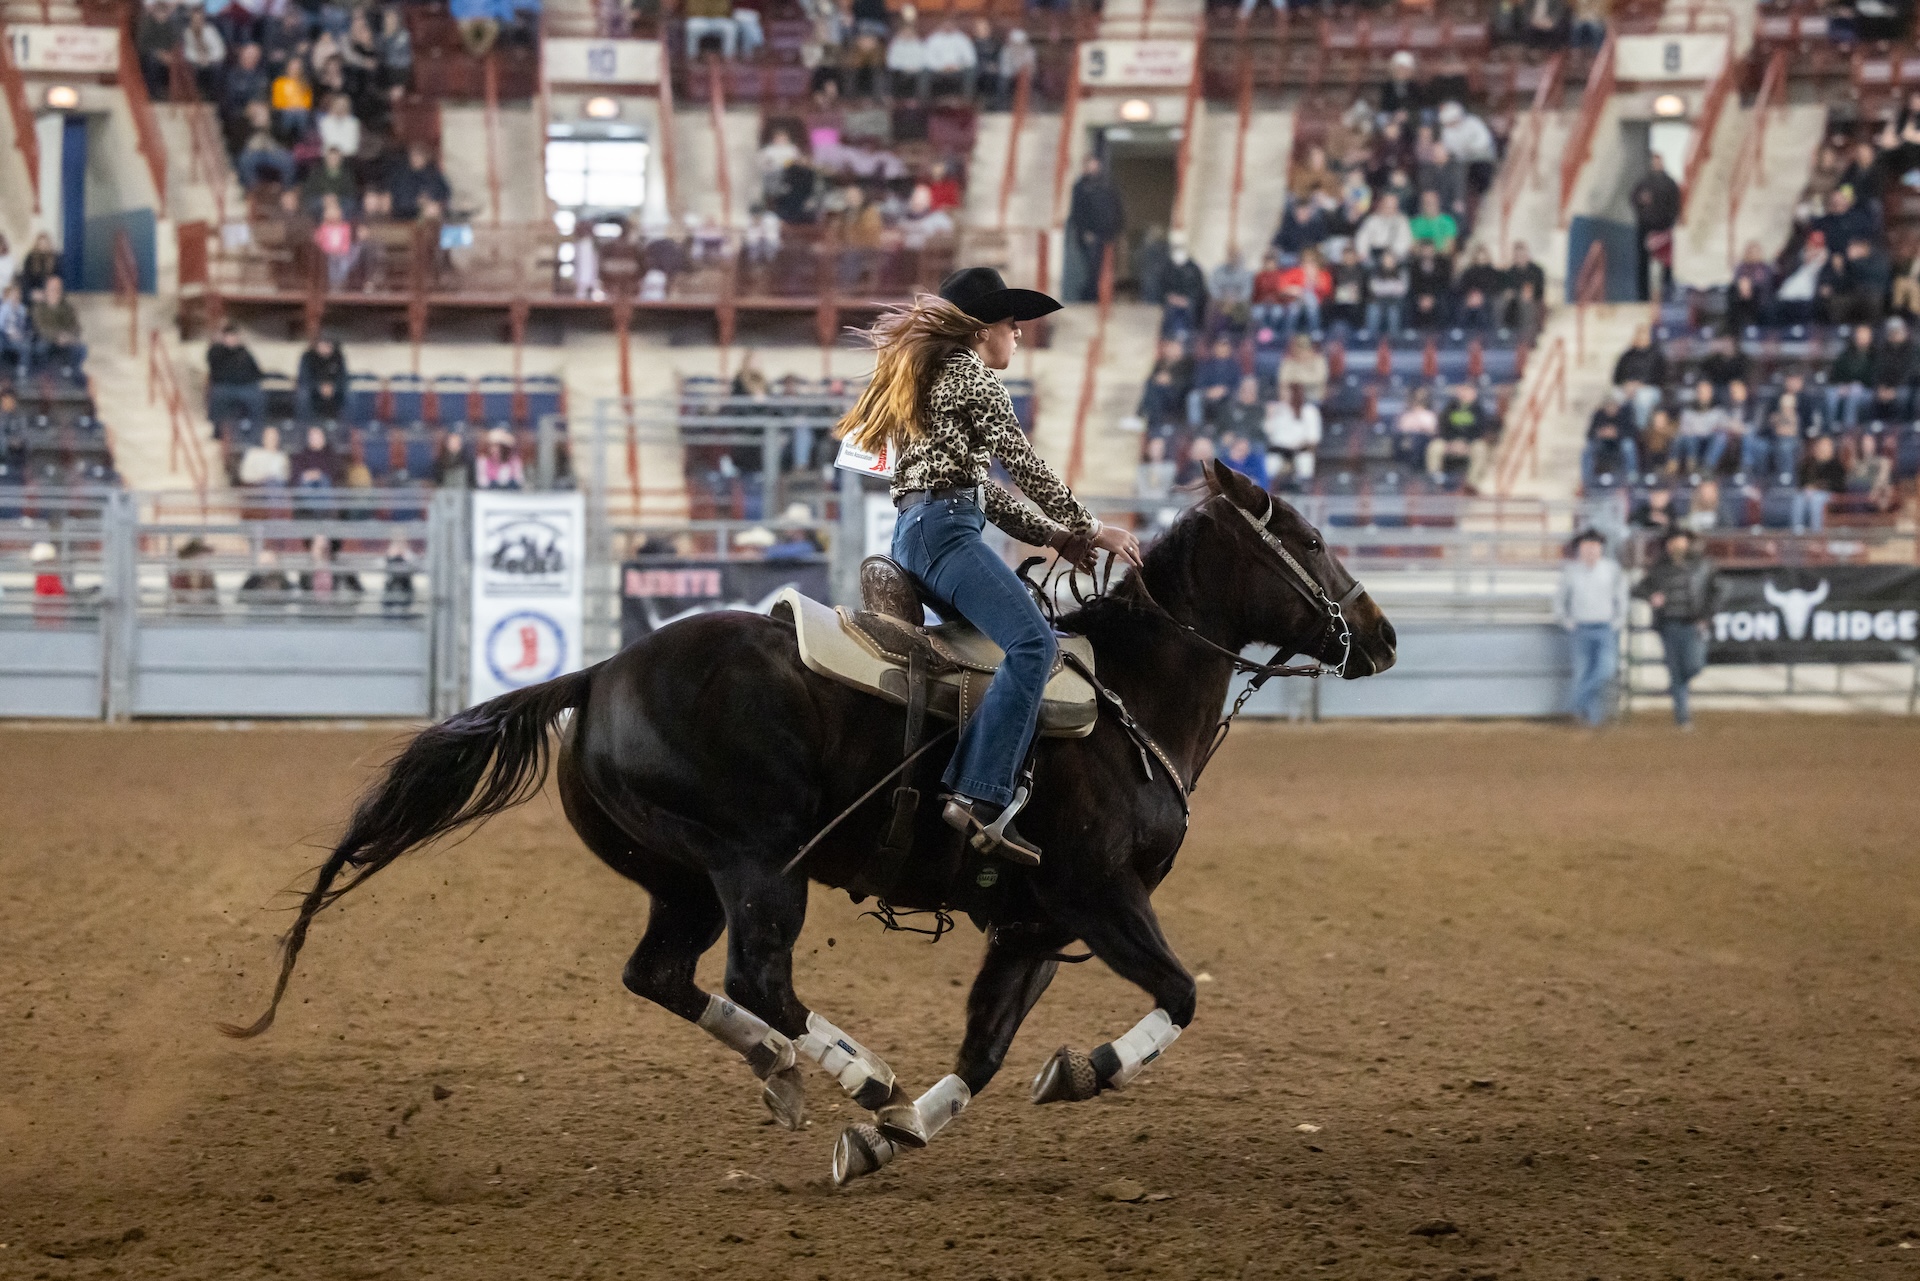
column 265, row 463
column 1467, row 137
column 247, row 81
column 56, row 327
column 1184, row 306
column 1094, row 219
column 1680, row 589
column 233, row 380
column 1347, row 301
column 1293, row 431
column 1387, row 286
column 1529, row 316
column 952, row 64
column 1463, row 435
column 1403, row 91
column 420, row 183
column 500, row 466
column 396, row 49
column 452, row 465
column 1305, row 366
column 1822, row 476
column 1611, row 449
column 1656, row 208
column 1591, row 605
column 320, row 385
column 316, row 466
column 335, row 240
column 1641, row 372
column 204, row 50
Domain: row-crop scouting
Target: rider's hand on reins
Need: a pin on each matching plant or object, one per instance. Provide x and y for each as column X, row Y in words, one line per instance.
column 1120, row 542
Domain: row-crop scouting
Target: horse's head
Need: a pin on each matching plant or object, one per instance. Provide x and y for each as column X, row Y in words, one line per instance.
column 1268, row 576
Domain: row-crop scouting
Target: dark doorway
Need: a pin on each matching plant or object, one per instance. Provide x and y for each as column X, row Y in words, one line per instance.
column 1143, row 160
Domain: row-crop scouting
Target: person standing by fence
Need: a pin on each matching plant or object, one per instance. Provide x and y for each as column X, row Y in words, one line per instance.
column 1680, row 588
column 1591, row 605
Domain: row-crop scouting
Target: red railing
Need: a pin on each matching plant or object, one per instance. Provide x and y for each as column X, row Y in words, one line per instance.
column 1593, row 101
column 24, row 137
column 1244, row 110
column 126, row 287
column 146, row 128
column 490, row 79
column 1589, row 287
column 717, row 107
column 1523, row 154
column 163, row 385
column 1183, row 159
column 1750, row 166
column 206, row 149
column 1022, row 98
column 1709, row 123
column 1521, row 445
column 1096, row 350
column 1064, row 158
column 666, row 125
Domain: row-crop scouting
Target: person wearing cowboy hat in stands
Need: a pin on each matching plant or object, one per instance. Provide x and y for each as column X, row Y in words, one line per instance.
column 936, row 409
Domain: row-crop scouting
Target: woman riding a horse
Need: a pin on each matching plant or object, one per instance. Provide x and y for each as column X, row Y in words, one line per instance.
column 936, row 409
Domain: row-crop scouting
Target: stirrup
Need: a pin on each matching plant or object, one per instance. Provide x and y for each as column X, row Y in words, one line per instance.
column 996, row 837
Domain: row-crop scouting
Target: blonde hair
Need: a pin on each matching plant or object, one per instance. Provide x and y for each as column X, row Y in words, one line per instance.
column 912, row 344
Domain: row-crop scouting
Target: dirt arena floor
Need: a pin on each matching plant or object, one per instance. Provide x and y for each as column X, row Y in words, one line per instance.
column 1503, row 1002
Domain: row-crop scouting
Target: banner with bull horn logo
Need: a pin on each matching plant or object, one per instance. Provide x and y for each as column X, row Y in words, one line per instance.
column 1828, row 614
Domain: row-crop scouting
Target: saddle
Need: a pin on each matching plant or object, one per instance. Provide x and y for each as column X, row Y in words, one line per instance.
column 875, row 649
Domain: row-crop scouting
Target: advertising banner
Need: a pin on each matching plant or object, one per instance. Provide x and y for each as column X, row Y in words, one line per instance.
column 651, row 596
column 528, row 555
column 1830, row 614
column 64, row 50
column 1136, row 64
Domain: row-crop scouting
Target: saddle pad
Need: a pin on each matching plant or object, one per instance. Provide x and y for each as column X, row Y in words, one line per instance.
column 833, row 647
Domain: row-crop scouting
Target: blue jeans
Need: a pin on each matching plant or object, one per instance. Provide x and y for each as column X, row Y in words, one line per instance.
column 1845, row 402
column 1383, row 318
column 1685, row 648
column 939, row 544
column 1701, row 452
column 227, row 402
column 1629, row 453
column 1769, row 455
column 1595, row 650
column 1809, row 510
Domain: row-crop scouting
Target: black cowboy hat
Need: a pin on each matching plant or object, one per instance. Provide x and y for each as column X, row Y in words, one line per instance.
column 982, row 293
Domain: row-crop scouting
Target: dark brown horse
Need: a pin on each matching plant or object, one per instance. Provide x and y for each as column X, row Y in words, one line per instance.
column 701, row 759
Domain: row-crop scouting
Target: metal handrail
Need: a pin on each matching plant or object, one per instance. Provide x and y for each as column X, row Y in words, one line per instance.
column 1244, row 110
column 1022, row 96
column 490, row 79
column 1749, row 167
column 1183, row 158
column 25, row 139
column 163, row 384
column 1095, row 353
column 1702, row 149
column 1593, row 102
column 146, row 128
column 1522, row 443
column 717, row 107
column 1589, row 286
column 1523, row 155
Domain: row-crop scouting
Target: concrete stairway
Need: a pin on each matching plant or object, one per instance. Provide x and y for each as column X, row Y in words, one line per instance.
column 1109, row 453
column 1151, row 19
column 1030, row 204
column 518, row 152
column 1263, row 193
column 190, row 190
column 1563, row 433
column 696, row 161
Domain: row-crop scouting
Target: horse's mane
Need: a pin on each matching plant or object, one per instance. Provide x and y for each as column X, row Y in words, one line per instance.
column 1168, row 557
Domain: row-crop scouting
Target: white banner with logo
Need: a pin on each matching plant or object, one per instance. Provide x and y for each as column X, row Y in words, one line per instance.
column 64, row 50
column 528, row 556
column 1136, row 64
column 577, row 60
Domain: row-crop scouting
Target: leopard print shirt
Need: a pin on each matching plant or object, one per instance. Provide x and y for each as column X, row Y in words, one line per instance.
column 969, row 421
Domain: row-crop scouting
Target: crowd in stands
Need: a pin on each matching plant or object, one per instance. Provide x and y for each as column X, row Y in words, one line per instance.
column 48, row 432
column 1370, row 250
column 1791, row 392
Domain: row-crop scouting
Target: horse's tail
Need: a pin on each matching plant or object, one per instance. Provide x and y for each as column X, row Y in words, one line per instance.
column 464, row 770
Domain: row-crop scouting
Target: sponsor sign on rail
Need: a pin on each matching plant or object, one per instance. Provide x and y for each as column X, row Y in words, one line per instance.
column 1829, row 614
column 653, row 595
column 527, row 589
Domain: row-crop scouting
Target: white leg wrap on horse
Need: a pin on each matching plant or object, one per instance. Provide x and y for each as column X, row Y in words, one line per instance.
column 1147, row 1041
column 860, row 1072
column 947, row 1099
column 765, row 1050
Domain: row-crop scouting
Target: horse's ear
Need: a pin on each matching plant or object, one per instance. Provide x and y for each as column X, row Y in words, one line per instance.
column 1210, row 470
column 1237, row 488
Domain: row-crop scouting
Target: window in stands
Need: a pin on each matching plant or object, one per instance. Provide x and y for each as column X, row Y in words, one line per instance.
column 597, row 173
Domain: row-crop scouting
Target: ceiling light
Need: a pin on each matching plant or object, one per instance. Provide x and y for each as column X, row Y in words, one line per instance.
column 1669, row 106
column 1136, row 111
column 602, row 108
column 63, row 97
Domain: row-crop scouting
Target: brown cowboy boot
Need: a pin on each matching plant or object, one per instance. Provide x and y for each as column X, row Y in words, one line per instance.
column 989, row 829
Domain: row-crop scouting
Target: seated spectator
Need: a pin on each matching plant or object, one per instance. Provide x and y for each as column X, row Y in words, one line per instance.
column 952, row 63
column 1704, row 432
column 1523, row 271
column 1214, row 381
column 1293, row 432
column 1429, row 288
column 1611, row 450
column 1822, row 475
column 776, row 155
column 339, row 128
column 1478, row 291
column 944, row 187
column 267, row 584
column 1232, row 291
column 329, row 180
column 1185, row 304
column 991, row 87
column 907, row 73
column 320, row 385
column 419, row 184
column 1304, row 366
column 1773, row 447
column 1239, row 454
column 1846, row 220
column 1896, row 363
column 1384, row 231
column 1725, row 364
column 500, row 467
column 1641, row 371
column 316, row 466
column 1303, row 228
column 1870, row 474
column 710, row 18
column 1243, row 414
column 1153, row 479
column 157, row 39
column 335, row 239
column 1849, row 379
column 750, row 34
column 292, row 99
column 261, row 155
column 1346, row 304
column 265, row 463
column 1658, row 440
column 324, row 580
column 1467, row 137
column 1266, row 309
column 1869, row 280
column 1387, row 285
column 453, row 466
column 1750, row 298
column 1795, row 297
column 1415, row 429
column 1433, row 225
column 1199, row 453
column 56, row 328
column 1312, row 180
column 41, row 264
column 1464, row 432
column 233, row 380
column 1440, row 173
column 1303, row 288
column 16, row 333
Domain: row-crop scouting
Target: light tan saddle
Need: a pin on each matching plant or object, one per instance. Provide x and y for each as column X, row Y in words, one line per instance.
column 870, row 649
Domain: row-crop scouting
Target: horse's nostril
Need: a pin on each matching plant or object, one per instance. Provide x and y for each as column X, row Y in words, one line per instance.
column 1388, row 635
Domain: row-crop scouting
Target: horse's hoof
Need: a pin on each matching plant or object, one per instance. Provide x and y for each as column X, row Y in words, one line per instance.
column 786, row 1097
column 1067, row 1077
column 901, row 1123
column 860, row 1150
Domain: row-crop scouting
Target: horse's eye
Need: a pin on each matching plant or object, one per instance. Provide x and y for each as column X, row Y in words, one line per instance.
column 1313, row 544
